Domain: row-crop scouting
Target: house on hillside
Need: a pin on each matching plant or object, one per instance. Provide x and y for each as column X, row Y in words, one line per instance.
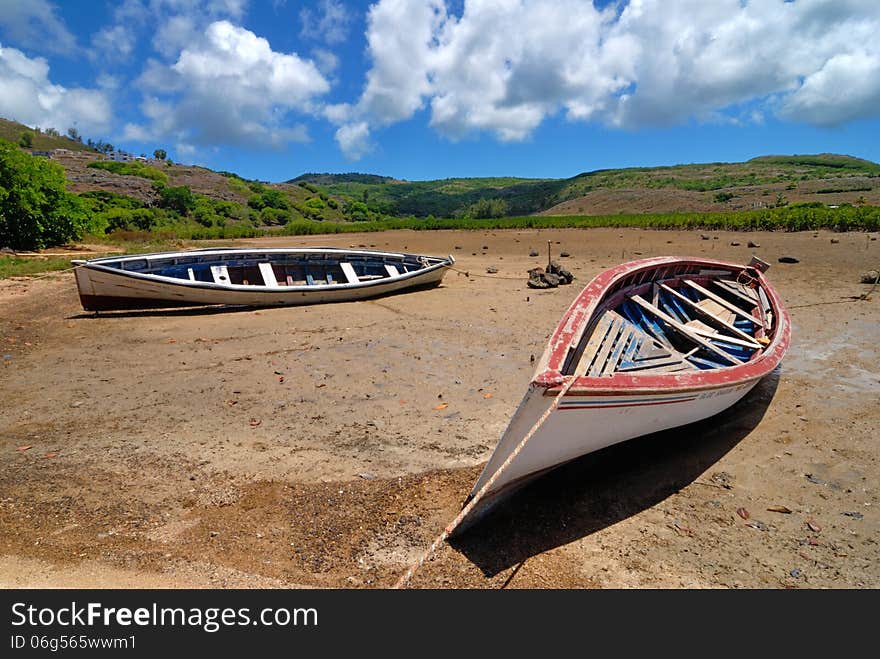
column 42, row 154
column 120, row 156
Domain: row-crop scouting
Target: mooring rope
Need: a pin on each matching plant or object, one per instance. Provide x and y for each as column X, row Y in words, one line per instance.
column 28, row 278
column 468, row 273
column 405, row 578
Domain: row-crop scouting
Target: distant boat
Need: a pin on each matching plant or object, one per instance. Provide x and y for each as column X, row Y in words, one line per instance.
column 251, row 277
column 647, row 345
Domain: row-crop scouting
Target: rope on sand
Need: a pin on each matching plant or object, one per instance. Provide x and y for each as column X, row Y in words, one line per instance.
column 468, row 273
column 29, row 278
column 407, row 576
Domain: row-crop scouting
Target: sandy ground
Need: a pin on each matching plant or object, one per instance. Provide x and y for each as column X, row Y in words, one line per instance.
column 301, row 447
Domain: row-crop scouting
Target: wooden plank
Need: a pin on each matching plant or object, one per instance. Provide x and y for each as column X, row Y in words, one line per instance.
column 713, row 334
column 350, row 274
column 595, row 340
column 604, row 350
column 766, row 309
column 191, row 274
column 735, row 289
column 720, row 300
column 622, row 342
column 716, row 310
column 635, row 345
column 684, row 330
column 220, row 274
column 268, row 275
column 649, row 365
column 391, row 270
column 728, row 326
column 651, row 328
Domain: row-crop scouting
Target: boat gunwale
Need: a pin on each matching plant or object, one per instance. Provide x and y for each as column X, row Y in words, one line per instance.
column 208, row 251
column 580, row 313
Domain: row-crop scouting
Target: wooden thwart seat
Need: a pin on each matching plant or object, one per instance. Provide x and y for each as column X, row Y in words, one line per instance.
column 268, row 275
column 350, row 274
column 742, row 292
column 685, row 331
column 706, row 311
column 720, row 300
column 220, row 274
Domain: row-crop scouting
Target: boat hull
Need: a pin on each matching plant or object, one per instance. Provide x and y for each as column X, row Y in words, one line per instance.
column 104, row 288
column 585, row 422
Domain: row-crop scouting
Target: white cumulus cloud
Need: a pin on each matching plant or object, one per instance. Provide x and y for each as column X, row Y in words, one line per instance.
column 354, row 140
column 28, row 22
column 328, row 22
column 505, row 66
column 230, row 87
column 30, row 97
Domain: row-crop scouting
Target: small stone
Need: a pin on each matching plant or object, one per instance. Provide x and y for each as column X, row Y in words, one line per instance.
column 492, row 270
column 534, row 253
column 214, row 534
column 703, row 236
column 734, row 243
column 788, row 259
column 752, row 243
column 870, row 277
column 795, row 572
column 564, row 255
column 834, row 241
column 854, row 515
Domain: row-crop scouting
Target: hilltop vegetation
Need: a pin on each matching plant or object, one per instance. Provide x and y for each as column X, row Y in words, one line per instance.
column 168, row 200
column 724, row 182
column 40, row 139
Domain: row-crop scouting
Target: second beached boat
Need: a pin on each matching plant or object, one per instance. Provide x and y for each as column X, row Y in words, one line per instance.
column 251, row 277
column 647, row 346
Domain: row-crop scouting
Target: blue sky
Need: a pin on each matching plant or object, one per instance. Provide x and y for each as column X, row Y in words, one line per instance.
column 421, row 89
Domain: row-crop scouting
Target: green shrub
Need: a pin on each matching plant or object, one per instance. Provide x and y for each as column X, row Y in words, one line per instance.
column 269, row 198
column 178, row 199
column 133, row 168
column 36, row 210
column 274, row 216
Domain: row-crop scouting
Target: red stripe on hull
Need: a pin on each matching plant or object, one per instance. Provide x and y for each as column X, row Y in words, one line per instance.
column 606, row 407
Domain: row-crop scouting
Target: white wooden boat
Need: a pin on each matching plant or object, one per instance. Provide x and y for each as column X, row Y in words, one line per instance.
column 647, row 346
column 251, row 277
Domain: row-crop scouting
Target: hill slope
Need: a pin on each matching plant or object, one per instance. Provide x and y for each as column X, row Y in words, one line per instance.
column 762, row 182
column 11, row 131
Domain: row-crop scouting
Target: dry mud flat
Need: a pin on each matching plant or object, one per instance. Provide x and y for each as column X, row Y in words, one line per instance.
column 310, row 446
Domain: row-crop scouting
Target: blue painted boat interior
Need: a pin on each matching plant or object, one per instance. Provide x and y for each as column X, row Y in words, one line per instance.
column 644, row 328
column 289, row 269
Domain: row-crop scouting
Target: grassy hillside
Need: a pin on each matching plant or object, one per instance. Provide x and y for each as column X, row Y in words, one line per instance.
column 11, row 131
column 719, row 183
column 442, row 198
